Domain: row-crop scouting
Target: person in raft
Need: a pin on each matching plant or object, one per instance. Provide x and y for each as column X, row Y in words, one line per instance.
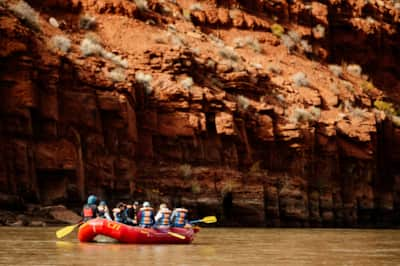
column 163, row 217
column 179, row 217
column 146, row 215
column 102, row 211
column 130, row 215
column 119, row 213
column 89, row 210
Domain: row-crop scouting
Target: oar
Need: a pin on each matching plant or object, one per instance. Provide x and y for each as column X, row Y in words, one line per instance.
column 176, row 235
column 207, row 220
column 144, row 231
column 67, row 230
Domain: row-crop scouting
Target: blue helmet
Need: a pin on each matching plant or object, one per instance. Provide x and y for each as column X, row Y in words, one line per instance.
column 91, row 199
column 103, row 203
column 146, row 204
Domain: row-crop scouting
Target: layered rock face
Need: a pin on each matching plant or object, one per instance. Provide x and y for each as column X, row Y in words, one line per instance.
column 209, row 110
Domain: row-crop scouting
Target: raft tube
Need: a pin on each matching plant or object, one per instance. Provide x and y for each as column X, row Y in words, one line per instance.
column 133, row 234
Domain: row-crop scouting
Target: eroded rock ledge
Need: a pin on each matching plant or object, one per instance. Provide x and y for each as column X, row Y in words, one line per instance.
column 221, row 128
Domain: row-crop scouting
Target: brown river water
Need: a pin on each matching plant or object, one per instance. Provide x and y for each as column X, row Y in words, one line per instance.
column 212, row 246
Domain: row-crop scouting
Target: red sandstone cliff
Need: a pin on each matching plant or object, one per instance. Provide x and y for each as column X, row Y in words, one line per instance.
column 227, row 107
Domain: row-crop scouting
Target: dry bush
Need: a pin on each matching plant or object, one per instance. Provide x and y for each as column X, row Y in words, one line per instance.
column 61, row 43
column 26, row 14
column 117, row 75
column 336, row 70
column 300, row 79
column 145, row 81
column 187, row 83
column 87, row 22
column 243, row 101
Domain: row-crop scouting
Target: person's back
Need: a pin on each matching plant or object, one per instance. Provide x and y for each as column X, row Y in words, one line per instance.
column 89, row 210
column 179, row 217
column 129, row 214
column 119, row 213
column 146, row 215
column 103, row 212
column 162, row 218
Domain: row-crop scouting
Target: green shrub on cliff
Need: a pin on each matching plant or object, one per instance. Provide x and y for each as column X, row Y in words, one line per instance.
column 277, row 30
column 385, row 106
column 26, row 14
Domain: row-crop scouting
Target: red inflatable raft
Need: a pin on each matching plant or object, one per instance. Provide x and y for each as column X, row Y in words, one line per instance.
column 134, row 235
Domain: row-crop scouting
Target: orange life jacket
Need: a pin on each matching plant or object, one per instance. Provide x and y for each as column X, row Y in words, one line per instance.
column 180, row 216
column 166, row 213
column 146, row 216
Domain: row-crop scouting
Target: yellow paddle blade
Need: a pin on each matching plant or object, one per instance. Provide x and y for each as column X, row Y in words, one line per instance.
column 176, row 235
column 66, row 230
column 209, row 219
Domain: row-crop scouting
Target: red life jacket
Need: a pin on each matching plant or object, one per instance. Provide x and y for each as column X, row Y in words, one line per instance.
column 89, row 212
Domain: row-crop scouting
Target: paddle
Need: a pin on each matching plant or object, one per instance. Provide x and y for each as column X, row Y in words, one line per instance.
column 170, row 233
column 207, row 220
column 176, row 235
column 67, row 230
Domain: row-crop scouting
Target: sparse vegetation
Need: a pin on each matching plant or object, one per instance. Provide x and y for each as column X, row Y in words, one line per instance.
column 354, row 70
column 89, row 47
column 300, row 115
column 385, row 106
column 319, row 31
column 142, row 5
column 288, row 42
column 196, row 7
column 53, row 22
column 248, row 41
column 274, row 69
column 348, row 85
column 300, row 79
column 87, row 22
column 336, row 70
column 358, row 112
column 196, row 188
column 295, row 36
column 117, row 75
column 396, row 120
column 243, row 102
column 280, row 98
column 61, row 43
column 305, row 46
column 145, row 81
column 210, row 63
column 185, row 170
column 256, row 65
column 26, row 14
column 187, row 83
column 277, row 30
column 367, row 86
column 228, row 53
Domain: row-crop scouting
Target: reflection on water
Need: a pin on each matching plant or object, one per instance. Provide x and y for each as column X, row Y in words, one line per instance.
column 38, row 246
